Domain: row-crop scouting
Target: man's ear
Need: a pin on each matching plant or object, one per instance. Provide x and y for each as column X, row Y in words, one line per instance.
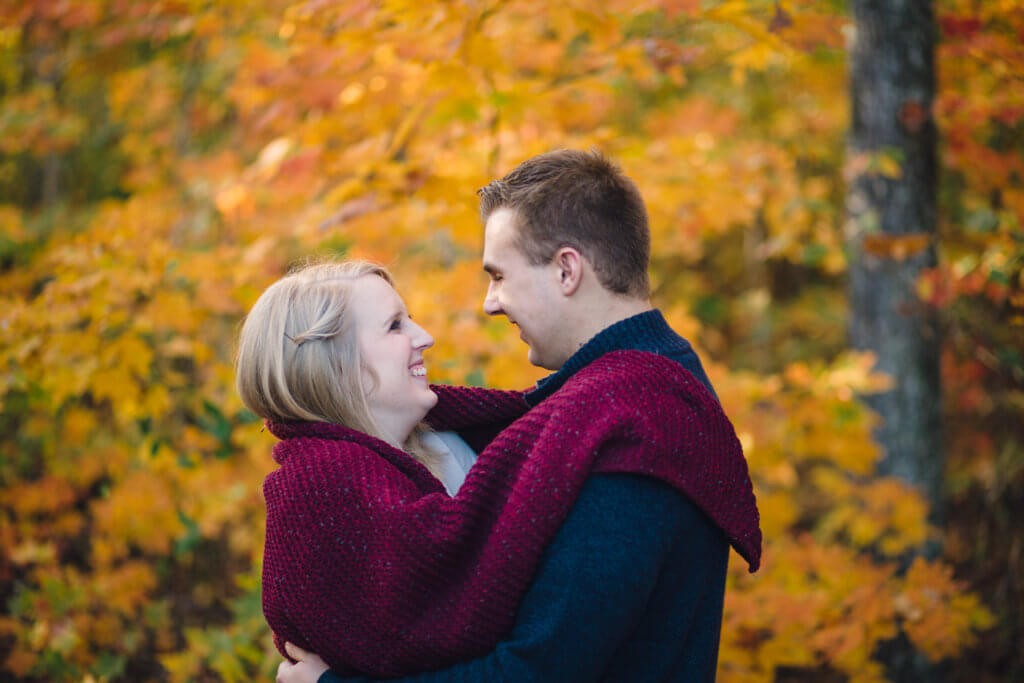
column 570, row 269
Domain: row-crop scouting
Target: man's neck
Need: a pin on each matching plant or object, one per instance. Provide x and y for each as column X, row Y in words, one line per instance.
column 604, row 312
column 613, row 330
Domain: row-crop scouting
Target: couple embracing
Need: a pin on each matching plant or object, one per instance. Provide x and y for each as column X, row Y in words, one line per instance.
column 577, row 531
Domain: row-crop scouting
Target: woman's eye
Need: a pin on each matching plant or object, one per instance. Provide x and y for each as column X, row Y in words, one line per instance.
column 396, row 324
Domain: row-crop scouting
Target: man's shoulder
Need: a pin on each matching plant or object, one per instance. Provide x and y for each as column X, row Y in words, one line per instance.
column 643, row 389
column 628, row 371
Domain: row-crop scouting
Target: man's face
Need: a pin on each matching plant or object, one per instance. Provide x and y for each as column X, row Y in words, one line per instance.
column 529, row 296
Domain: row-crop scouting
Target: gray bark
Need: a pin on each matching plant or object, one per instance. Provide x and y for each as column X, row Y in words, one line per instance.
column 892, row 86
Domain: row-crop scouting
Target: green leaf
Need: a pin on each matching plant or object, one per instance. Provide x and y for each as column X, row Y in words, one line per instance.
column 191, row 539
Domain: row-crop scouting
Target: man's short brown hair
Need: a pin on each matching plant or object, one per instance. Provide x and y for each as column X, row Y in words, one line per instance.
column 570, row 198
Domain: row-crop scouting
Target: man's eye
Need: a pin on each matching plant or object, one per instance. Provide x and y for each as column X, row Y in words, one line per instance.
column 396, row 324
column 496, row 278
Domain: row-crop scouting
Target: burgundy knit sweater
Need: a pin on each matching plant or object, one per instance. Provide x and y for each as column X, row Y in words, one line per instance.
column 369, row 563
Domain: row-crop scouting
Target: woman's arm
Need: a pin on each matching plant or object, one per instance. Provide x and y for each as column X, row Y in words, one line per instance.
column 476, row 413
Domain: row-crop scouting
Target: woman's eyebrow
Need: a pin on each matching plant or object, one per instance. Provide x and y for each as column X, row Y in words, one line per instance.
column 395, row 314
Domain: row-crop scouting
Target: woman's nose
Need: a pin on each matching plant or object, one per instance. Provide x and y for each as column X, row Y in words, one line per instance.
column 422, row 338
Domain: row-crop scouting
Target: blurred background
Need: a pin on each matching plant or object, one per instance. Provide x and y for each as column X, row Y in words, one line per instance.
column 162, row 161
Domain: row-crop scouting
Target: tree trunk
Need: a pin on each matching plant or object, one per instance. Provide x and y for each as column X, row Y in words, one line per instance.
column 892, row 229
column 891, row 232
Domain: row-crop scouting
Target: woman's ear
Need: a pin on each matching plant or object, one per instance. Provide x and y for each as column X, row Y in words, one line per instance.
column 570, row 269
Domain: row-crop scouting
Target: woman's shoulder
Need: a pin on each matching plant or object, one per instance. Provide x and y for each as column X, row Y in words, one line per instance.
column 311, row 451
column 345, row 462
column 307, row 463
column 322, row 443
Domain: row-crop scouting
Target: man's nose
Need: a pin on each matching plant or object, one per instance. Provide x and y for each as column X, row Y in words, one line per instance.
column 491, row 305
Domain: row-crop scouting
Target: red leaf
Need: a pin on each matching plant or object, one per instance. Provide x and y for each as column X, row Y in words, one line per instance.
column 959, row 27
column 912, row 115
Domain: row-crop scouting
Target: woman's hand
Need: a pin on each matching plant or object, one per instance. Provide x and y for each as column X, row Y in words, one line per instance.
column 307, row 669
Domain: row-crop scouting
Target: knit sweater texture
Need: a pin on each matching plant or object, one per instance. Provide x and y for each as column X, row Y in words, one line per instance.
column 369, row 563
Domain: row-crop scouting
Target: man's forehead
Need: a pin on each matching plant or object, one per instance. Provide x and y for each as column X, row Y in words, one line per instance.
column 499, row 234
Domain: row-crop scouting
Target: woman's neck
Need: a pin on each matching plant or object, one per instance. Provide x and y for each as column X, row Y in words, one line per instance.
column 393, row 432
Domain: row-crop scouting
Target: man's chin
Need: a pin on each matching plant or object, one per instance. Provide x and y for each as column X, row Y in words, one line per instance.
column 537, row 359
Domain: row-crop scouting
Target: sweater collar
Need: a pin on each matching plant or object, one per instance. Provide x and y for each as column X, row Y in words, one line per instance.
column 292, row 433
column 647, row 331
column 302, row 429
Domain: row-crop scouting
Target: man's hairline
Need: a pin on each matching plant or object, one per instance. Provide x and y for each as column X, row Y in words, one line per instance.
column 517, row 241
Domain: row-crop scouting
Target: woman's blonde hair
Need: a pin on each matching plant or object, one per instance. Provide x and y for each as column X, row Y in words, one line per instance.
column 298, row 356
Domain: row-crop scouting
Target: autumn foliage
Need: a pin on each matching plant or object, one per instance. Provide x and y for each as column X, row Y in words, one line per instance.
column 162, row 161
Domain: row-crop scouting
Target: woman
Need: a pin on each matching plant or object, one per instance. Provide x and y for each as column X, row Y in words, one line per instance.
column 346, row 352
column 330, row 357
column 368, row 561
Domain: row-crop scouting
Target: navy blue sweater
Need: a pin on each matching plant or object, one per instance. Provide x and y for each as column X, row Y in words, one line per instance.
column 632, row 585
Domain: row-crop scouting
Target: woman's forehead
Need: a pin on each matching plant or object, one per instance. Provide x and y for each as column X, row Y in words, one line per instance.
column 373, row 298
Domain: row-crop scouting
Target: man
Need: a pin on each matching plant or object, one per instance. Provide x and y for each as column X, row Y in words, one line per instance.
column 632, row 586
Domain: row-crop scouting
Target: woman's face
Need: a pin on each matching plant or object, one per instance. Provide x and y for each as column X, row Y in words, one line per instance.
column 392, row 346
